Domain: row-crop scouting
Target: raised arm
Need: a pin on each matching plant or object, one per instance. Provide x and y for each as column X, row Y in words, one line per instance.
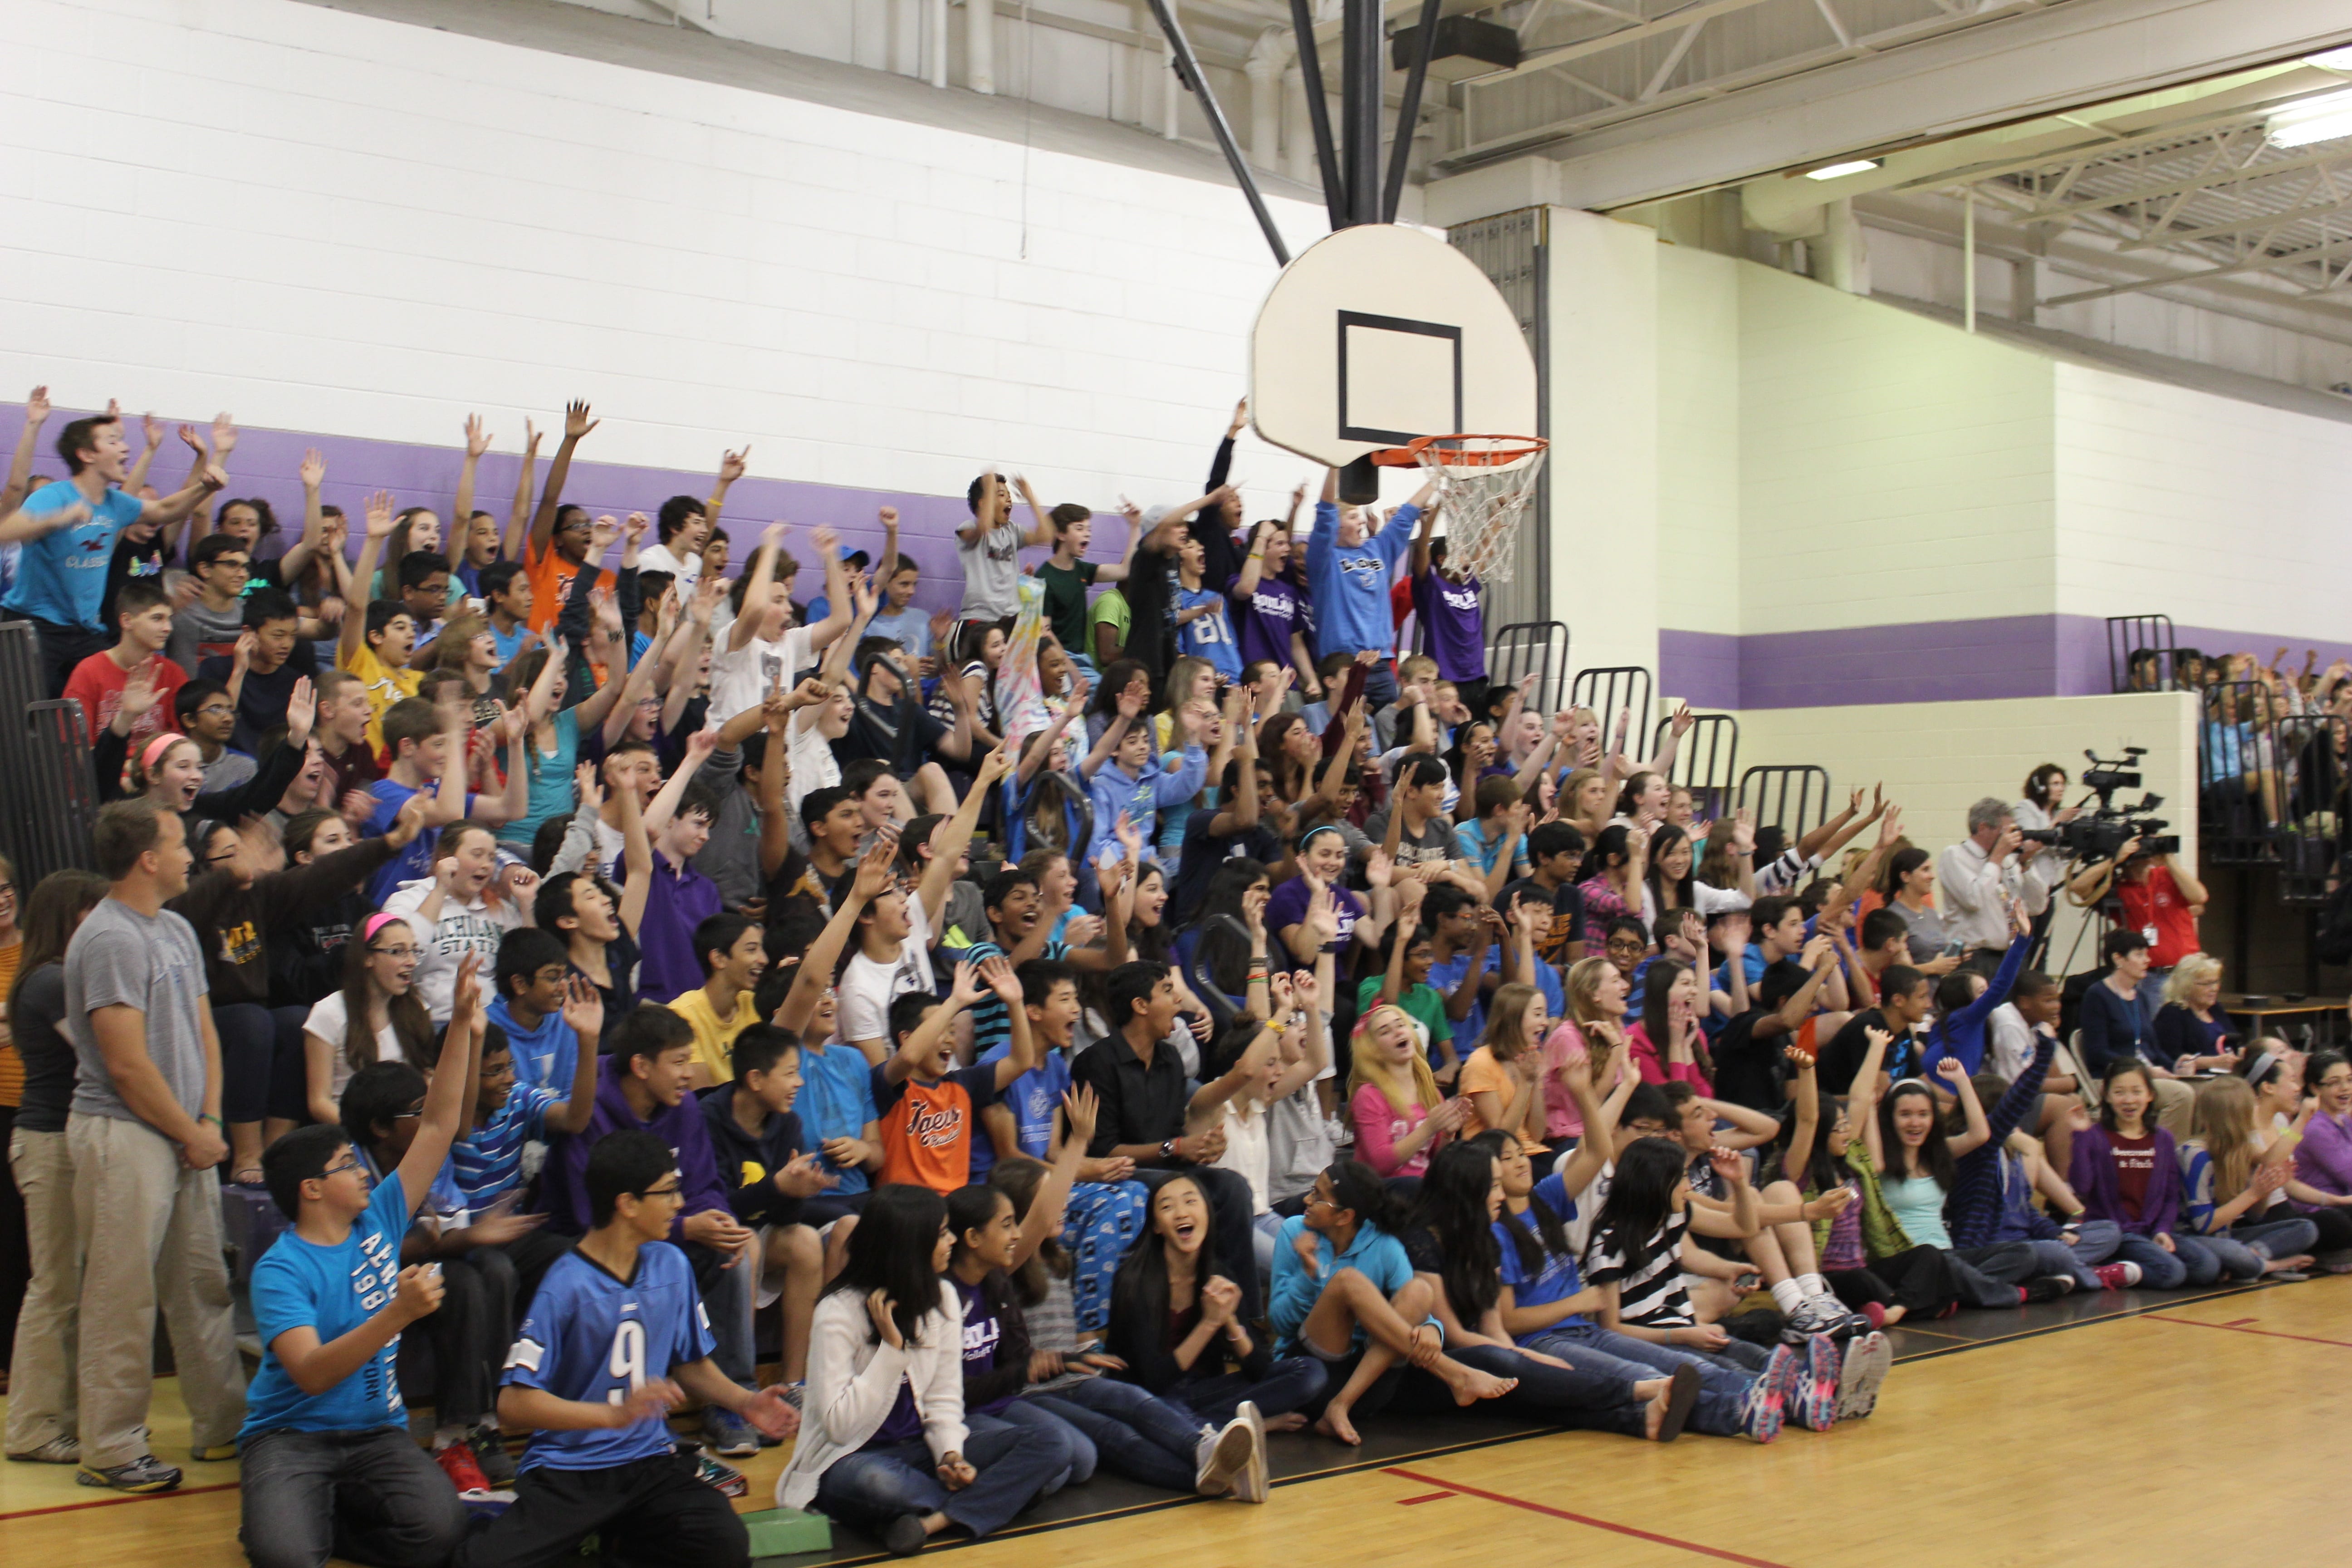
column 939, row 874
column 19, row 483
column 576, row 425
column 446, row 1101
column 518, row 513
column 461, row 519
column 353, row 636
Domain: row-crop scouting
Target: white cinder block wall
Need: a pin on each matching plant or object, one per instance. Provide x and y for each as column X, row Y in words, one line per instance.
column 329, row 223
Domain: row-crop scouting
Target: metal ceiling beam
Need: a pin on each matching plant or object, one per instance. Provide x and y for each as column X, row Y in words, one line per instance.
column 2206, row 181
column 2258, row 264
column 2060, row 57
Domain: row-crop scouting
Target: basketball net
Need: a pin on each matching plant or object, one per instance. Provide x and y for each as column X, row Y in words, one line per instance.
column 1484, row 486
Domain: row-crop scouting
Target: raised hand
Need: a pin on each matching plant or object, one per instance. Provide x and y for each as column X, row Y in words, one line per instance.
column 418, row 1293
column 994, row 766
column 730, row 464
column 224, row 435
column 1952, row 1072
column 996, row 974
column 36, row 410
column 379, row 515
column 584, row 1009
column 1082, row 1109
column 576, row 423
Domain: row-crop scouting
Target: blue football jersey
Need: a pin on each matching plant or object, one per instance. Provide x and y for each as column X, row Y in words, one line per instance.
column 590, row 1336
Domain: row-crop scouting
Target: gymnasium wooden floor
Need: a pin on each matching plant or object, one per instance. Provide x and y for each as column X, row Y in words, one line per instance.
column 2141, row 1430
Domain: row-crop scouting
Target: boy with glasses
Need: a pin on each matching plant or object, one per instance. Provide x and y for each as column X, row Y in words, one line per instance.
column 615, row 1338
column 328, row 1464
column 207, row 715
column 211, row 623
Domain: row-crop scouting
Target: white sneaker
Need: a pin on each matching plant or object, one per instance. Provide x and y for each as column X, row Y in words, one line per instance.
column 1251, row 1482
column 1221, row 1457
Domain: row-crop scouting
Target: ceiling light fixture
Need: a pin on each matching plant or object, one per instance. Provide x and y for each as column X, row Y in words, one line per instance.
column 1836, row 171
column 2333, row 60
column 2328, row 119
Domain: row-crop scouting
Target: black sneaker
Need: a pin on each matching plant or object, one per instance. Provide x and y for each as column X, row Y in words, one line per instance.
column 904, row 1536
column 2049, row 1288
column 490, row 1453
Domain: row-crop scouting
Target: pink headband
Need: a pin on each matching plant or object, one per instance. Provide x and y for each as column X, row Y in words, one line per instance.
column 376, row 923
column 156, row 748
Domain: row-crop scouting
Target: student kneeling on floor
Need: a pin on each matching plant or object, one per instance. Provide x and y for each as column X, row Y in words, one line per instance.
column 615, row 1338
column 328, row 1465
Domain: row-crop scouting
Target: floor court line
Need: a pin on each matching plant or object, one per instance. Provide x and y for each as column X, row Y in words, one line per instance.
column 2240, row 1328
column 118, row 1502
column 1717, row 1552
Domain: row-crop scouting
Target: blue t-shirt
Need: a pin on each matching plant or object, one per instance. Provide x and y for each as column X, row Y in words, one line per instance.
column 1209, row 636
column 61, row 576
column 552, row 792
column 1033, row 1098
column 836, row 1101
column 593, row 1337
column 487, row 1161
column 412, row 863
column 1444, row 977
column 330, row 1290
column 1558, row 1278
column 510, row 643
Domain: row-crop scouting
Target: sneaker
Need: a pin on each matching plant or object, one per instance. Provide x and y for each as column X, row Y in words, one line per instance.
column 1250, row 1484
column 213, row 1453
column 456, row 1461
column 725, row 1478
column 904, row 1536
column 1867, row 1360
column 1764, row 1410
column 1816, row 1404
column 489, row 1450
column 728, row 1435
column 1814, row 1315
column 58, row 1450
column 2049, row 1288
column 144, row 1473
column 2117, row 1276
column 795, row 1393
column 1221, row 1457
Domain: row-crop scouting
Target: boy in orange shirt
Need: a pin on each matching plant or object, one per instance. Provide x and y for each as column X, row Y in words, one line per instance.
column 930, row 1107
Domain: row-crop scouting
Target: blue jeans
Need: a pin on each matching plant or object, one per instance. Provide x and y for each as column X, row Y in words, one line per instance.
column 2162, row 1270
column 882, row 1481
column 1078, row 1449
column 1135, row 1434
column 729, row 1297
column 2096, row 1242
column 373, row 1496
column 1380, row 702
column 1592, row 1392
column 1722, row 1390
column 2243, row 1249
column 1291, row 1383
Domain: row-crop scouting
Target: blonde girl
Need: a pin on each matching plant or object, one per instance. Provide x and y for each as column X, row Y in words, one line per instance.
column 2230, row 1176
column 1393, row 1098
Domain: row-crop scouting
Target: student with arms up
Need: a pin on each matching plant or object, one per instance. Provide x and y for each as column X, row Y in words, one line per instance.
column 329, row 1465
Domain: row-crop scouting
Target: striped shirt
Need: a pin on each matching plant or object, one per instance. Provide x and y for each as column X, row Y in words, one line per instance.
column 489, row 1160
column 991, row 1022
column 1649, row 1279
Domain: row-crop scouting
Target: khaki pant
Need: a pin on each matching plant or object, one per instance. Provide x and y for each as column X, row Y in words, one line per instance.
column 41, row 1371
column 154, row 1230
column 2173, row 1101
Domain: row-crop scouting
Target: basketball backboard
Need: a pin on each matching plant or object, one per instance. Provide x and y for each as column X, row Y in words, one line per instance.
column 1379, row 334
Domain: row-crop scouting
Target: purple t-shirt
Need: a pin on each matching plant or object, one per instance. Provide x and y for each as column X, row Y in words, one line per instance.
column 675, row 903
column 1452, row 625
column 1264, row 620
column 981, row 1335
column 1287, row 907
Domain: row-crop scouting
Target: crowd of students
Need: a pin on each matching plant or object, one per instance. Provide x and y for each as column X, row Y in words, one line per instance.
column 1104, row 1032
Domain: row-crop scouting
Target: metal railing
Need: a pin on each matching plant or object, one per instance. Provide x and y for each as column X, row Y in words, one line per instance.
column 1609, row 690
column 2146, row 640
column 1792, row 796
column 1707, row 763
column 45, row 769
column 2274, row 789
column 1525, row 647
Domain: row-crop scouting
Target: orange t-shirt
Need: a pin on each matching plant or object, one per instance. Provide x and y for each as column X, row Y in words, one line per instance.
column 1483, row 1074
column 927, row 1127
column 550, row 578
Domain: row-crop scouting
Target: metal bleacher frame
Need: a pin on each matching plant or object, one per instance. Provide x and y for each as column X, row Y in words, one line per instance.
column 1525, row 647
column 1609, row 690
column 45, row 777
column 1707, row 763
column 2128, row 634
column 1767, row 789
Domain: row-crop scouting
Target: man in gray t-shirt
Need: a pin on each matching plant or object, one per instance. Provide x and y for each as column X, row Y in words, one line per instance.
column 988, row 549
column 144, row 1134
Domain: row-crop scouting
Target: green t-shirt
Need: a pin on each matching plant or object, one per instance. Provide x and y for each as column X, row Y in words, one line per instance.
column 1065, row 603
column 1110, row 610
column 1422, row 1003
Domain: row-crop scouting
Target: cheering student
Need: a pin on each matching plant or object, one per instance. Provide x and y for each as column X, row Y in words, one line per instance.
column 616, row 1338
column 329, row 1465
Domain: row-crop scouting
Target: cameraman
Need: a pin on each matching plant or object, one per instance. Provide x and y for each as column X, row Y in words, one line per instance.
column 1979, row 876
column 2161, row 900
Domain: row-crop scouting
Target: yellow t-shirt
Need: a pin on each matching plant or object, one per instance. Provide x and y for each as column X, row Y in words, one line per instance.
column 385, row 685
column 714, row 1038
column 12, row 1066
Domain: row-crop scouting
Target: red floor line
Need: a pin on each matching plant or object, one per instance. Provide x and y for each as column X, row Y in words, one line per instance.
column 2239, row 1328
column 1425, row 1496
column 114, row 1502
column 1715, row 1551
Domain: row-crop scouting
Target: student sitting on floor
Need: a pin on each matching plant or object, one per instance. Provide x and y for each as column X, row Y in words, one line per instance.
column 616, row 1338
column 329, row 1466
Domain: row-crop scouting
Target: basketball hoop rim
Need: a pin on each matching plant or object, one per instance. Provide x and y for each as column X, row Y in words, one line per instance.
column 1427, row 451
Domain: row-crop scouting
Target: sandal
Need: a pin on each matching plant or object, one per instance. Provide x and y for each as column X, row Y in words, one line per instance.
column 248, row 1177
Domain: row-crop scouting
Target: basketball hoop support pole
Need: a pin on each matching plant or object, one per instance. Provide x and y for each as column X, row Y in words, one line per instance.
column 1188, row 70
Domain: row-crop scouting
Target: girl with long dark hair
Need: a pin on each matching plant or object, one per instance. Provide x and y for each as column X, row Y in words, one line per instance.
column 376, row 1017
column 1666, row 1042
column 883, row 1441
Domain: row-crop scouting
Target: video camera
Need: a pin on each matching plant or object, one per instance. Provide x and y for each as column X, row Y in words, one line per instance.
column 2098, row 834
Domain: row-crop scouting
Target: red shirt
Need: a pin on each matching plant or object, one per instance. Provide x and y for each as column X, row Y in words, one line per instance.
column 2135, row 1165
column 2154, row 906
column 96, row 684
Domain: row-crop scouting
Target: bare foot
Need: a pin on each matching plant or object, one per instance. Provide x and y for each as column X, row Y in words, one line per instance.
column 1473, row 1385
column 1893, row 1316
column 1334, row 1422
column 1291, row 1421
column 1654, row 1417
column 2282, row 1265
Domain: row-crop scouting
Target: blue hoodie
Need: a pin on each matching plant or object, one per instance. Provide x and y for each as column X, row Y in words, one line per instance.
column 1350, row 582
column 1140, row 795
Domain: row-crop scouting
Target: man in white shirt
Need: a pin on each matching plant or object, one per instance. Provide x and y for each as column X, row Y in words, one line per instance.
column 684, row 524
column 1979, row 876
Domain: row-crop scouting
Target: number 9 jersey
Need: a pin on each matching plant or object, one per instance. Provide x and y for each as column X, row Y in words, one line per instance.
column 593, row 1337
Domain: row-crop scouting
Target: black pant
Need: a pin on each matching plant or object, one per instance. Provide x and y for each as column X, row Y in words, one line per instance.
column 1917, row 1282
column 652, row 1512
column 1230, row 1213
column 2335, row 1229
column 263, row 1070
column 372, row 1496
column 470, row 1334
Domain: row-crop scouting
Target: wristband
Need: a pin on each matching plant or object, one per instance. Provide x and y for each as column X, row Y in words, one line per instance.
column 208, row 1116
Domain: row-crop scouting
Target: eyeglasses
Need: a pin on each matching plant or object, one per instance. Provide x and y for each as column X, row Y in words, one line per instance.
column 350, row 1162
column 216, row 711
column 240, row 567
column 398, row 952
column 675, row 1190
column 1624, row 944
column 411, row 1114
